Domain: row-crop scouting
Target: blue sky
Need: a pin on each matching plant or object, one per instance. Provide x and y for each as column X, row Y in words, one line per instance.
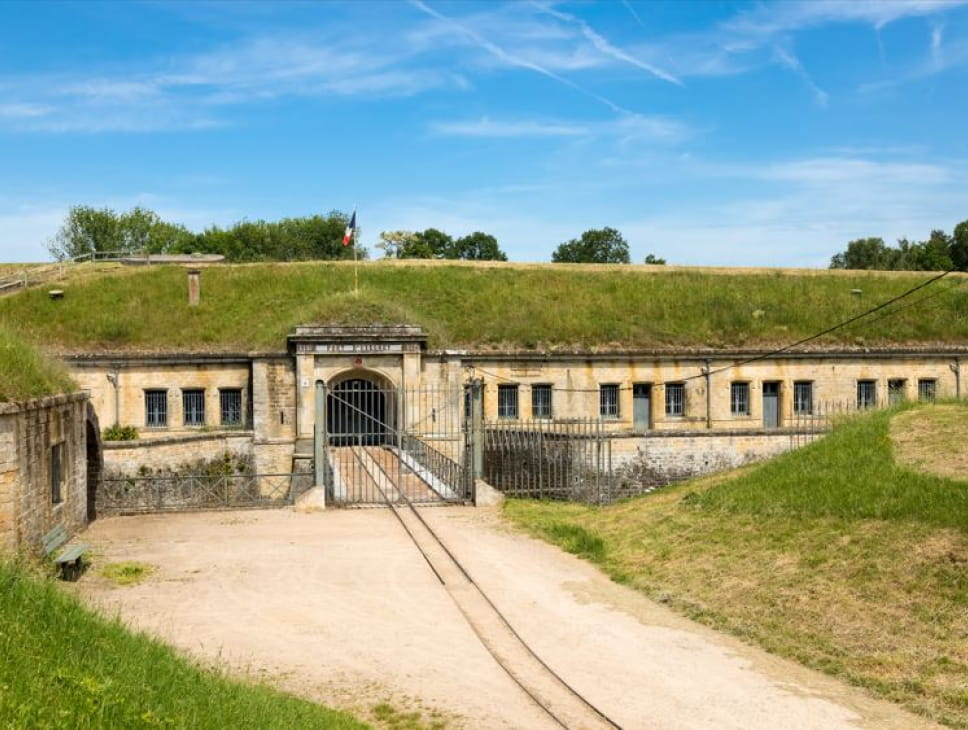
column 716, row 133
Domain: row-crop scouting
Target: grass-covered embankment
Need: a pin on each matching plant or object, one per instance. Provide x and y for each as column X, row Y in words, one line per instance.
column 493, row 306
column 835, row 555
column 64, row 667
column 25, row 372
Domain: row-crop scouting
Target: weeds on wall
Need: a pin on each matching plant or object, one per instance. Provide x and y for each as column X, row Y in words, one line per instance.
column 117, row 432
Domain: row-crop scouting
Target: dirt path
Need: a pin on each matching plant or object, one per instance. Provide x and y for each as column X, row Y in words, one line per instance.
column 339, row 607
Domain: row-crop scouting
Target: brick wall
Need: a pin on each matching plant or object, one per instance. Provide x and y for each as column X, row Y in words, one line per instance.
column 28, row 433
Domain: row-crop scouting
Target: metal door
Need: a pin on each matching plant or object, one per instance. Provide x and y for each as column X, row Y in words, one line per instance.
column 771, row 405
column 641, row 407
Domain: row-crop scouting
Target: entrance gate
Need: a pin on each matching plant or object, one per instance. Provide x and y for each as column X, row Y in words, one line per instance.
column 379, row 444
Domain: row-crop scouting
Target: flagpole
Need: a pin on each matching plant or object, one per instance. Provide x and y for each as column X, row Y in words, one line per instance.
column 356, row 260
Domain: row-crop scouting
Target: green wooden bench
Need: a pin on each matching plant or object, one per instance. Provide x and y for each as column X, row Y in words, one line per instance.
column 70, row 559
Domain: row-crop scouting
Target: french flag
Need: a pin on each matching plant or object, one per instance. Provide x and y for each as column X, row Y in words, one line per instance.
column 350, row 230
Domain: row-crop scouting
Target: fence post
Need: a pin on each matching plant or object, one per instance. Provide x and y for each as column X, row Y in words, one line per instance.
column 319, row 437
column 477, row 426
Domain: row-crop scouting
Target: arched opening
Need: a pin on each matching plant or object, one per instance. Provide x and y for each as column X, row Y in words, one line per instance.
column 95, row 461
column 359, row 411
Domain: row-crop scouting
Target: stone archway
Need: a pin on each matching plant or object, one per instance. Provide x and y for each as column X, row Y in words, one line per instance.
column 360, row 410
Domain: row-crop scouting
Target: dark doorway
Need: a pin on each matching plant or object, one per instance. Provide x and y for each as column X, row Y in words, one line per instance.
column 771, row 404
column 356, row 413
column 93, row 469
column 641, row 407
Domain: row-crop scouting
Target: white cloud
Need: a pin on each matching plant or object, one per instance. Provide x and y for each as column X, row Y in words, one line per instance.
column 789, row 60
column 626, row 128
column 608, row 49
column 841, row 171
column 510, row 58
column 24, row 111
column 773, row 18
column 937, row 53
column 485, row 127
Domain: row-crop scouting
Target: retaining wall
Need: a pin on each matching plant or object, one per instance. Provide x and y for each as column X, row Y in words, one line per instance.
column 30, row 431
column 665, row 456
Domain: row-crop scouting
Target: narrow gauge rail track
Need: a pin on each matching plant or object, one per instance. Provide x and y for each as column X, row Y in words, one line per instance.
column 565, row 705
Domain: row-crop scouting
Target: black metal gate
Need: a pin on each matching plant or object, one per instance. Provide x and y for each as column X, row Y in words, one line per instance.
column 382, row 444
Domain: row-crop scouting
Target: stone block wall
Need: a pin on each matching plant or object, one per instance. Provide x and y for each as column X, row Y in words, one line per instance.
column 127, row 457
column 667, row 456
column 117, row 389
column 274, row 399
column 29, row 433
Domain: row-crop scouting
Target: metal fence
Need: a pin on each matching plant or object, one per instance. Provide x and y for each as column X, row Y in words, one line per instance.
column 187, row 492
column 565, row 460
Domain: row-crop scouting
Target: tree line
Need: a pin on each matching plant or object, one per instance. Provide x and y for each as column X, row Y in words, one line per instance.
column 87, row 230
column 940, row 252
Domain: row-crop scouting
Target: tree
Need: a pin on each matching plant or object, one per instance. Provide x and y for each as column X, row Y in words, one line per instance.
column 959, row 247
column 86, row 230
column 393, row 243
column 863, row 253
column 596, row 246
column 931, row 255
column 655, row 260
column 477, row 246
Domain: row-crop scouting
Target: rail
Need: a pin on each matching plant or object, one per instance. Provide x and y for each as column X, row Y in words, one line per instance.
column 189, row 492
column 562, row 702
column 454, row 476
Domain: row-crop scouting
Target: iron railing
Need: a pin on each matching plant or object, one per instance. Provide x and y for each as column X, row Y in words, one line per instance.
column 456, row 477
column 562, row 460
column 188, row 492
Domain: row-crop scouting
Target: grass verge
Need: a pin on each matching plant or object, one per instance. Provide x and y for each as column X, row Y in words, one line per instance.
column 834, row 555
column 128, row 573
column 491, row 306
column 26, row 373
column 65, row 667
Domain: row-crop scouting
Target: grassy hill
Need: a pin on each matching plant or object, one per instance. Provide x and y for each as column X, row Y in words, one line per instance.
column 253, row 307
column 849, row 555
column 64, row 667
column 26, row 373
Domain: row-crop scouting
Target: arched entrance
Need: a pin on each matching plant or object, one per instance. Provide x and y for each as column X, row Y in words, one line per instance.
column 359, row 411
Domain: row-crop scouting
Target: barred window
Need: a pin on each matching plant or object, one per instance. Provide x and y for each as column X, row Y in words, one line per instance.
column 193, row 407
column 739, row 399
column 608, row 400
column 866, row 393
column 56, row 473
column 896, row 388
column 803, row 398
column 541, row 401
column 507, row 401
column 675, row 399
column 156, row 408
column 927, row 389
column 230, row 402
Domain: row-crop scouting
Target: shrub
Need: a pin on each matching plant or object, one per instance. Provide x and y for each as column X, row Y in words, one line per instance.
column 117, row 432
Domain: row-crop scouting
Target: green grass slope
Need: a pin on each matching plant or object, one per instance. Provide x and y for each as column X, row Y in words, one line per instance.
column 835, row 555
column 26, row 373
column 484, row 306
column 64, row 667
